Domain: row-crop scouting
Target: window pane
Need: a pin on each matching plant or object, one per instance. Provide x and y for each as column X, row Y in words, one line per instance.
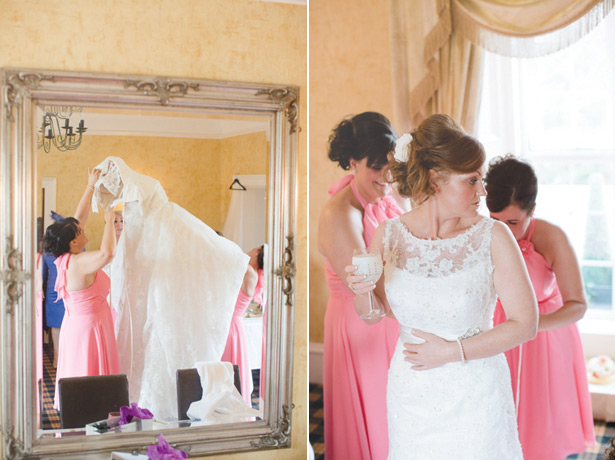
column 558, row 112
column 566, row 95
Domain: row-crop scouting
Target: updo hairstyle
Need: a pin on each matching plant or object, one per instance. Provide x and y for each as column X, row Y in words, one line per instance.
column 59, row 235
column 368, row 134
column 440, row 144
column 511, row 181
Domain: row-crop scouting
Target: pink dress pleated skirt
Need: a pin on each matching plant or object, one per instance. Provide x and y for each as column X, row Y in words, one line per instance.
column 87, row 339
column 236, row 351
column 555, row 415
column 355, row 374
column 356, row 357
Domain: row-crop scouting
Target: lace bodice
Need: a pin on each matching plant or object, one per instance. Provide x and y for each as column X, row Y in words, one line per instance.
column 461, row 411
column 440, row 286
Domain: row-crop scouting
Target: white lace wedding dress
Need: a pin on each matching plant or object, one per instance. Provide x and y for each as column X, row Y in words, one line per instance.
column 174, row 283
column 445, row 287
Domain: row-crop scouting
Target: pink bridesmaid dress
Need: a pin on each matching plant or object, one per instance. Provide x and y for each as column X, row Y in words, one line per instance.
column 356, row 359
column 554, row 415
column 87, row 340
column 236, row 350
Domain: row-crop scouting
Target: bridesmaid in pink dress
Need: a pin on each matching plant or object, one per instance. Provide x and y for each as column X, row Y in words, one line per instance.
column 87, row 340
column 554, row 408
column 356, row 356
column 236, row 350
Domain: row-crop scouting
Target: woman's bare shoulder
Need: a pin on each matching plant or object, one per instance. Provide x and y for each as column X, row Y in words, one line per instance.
column 548, row 238
column 501, row 234
column 341, row 206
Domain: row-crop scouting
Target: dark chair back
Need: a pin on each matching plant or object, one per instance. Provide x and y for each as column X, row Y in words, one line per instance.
column 89, row 399
column 189, row 389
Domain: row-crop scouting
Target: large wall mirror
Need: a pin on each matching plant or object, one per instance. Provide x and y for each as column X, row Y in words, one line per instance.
column 223, row 152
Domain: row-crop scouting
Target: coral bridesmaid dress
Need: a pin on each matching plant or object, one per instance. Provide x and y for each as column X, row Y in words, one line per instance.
column 236, row 350
column 87, row 341
column 356, row 359
column 555, row 415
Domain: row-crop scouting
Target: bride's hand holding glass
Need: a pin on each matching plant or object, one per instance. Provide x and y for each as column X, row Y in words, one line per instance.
column 365, row 271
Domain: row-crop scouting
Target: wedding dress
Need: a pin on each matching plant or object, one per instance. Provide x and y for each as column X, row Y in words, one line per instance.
column 445, row 287
column 174, row 283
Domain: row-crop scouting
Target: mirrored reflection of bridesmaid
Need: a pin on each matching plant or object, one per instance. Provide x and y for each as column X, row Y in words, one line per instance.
column 87, row 340
column 53, row 307
column 356, row 356
column 236, row 350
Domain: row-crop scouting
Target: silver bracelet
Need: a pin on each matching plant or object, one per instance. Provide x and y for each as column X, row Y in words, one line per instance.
column 90, row 187
column 461, row 352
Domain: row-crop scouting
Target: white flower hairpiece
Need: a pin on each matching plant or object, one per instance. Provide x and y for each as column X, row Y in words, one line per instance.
column 401, row 147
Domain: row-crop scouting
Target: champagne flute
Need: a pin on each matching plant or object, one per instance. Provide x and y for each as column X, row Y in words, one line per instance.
column 369, row 263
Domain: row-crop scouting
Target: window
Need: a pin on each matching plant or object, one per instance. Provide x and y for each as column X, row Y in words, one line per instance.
column 558, row 112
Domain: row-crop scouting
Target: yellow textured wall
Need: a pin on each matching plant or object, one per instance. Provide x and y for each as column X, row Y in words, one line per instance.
column 240, row 40
column 241, row 154
column 195, row 173
column 350, row 73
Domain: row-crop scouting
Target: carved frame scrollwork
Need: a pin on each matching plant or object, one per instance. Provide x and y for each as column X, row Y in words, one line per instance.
column 25, row 89
column 287, row 98
column 164, row 88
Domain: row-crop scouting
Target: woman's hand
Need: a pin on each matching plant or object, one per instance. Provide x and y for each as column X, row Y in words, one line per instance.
column 434, row 352
column 93, row 177
column 356, row 282
column 109, row 215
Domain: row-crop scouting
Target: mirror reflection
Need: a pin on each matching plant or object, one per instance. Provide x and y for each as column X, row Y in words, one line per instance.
column 159, row 271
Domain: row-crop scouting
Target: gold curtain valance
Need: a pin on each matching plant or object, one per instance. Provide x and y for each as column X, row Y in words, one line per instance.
column 527, row 28
column 438, row 47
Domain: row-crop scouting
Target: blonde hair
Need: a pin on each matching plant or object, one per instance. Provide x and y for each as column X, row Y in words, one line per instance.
column 439, row 144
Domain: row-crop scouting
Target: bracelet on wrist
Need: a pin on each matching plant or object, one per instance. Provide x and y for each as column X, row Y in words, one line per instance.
column 461, row 351
column 90, row 187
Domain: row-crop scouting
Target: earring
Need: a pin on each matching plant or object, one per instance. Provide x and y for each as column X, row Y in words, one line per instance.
column 354, row 171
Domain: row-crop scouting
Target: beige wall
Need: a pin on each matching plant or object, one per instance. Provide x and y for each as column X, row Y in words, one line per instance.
column 195, row 173
column 350, row 73
column 239, row 40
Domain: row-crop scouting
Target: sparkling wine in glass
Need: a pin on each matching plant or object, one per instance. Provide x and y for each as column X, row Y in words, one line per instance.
column 369, row 263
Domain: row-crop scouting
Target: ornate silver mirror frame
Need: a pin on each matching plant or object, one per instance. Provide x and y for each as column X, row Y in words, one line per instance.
column 22, row 91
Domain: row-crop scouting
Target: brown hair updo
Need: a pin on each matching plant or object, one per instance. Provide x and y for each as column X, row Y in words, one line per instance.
column 440, row 144
column 59, row 235
column 511, row 181
column 368, row 134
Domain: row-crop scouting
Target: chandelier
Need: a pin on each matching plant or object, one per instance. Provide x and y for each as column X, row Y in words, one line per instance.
column 56, row 129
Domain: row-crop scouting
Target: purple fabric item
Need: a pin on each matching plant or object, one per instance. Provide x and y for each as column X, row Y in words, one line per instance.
column 55, row 216
column 163, row 451
column 132, row 412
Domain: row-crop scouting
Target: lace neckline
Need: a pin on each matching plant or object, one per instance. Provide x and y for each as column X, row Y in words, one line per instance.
column 472, row 228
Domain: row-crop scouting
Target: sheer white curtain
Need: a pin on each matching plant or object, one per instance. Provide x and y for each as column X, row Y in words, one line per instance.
column 558, row 112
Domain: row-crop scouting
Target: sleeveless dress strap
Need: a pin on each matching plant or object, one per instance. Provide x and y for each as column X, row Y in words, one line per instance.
column 373, row 213
column 258, row 289
column 62, row 264
column 531, row 229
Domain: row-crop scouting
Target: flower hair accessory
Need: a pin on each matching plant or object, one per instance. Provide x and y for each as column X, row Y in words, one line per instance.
column 401, row 148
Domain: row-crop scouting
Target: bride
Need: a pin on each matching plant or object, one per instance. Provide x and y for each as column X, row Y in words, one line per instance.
column 449, row 393
column 174, row 282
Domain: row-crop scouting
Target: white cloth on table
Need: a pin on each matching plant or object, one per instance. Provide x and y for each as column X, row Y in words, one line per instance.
column 174, row 283
column 221, row 402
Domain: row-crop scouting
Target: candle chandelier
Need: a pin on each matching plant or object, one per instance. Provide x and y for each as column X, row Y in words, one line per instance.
column 57, row 130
